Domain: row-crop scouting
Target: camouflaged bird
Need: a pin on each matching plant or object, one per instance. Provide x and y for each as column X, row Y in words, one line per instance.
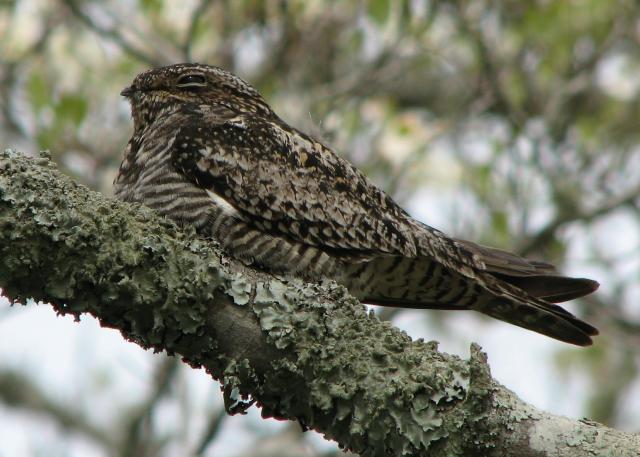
column 207, row 150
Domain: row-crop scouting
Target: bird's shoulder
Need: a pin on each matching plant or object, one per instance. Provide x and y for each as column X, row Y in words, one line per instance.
column 288, row 181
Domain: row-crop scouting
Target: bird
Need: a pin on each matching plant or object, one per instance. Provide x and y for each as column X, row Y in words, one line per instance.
column 208, row 151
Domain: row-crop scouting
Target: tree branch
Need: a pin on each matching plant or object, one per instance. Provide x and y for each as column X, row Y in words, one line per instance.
column 305, row 352
column 546, row 234
column 112, row 34
column 18, row 391
column 137, row 439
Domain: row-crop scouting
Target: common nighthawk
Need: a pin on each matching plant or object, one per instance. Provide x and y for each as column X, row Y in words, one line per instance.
column 207, row 150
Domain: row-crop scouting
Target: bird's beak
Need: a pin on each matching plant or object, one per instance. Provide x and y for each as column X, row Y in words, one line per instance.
column 127, row 91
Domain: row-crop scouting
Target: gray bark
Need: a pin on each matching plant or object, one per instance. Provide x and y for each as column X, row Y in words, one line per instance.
column 304, row 352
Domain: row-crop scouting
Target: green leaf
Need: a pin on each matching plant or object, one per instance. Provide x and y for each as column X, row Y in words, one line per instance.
column 71, row 107
column 38, row 92
column 151, row 6
column 379, row 10
column 46, row 138
column 500, row 224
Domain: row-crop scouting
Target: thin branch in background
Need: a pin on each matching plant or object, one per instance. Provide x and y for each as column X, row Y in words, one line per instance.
column 138, row 439
column 367, row 79
column 198, row 11
column 486, row 60
column 546, row 234
column 578, row 82
column 18, row 391
column 111, row 34
column 11, row 70
column 289, row 441
column 7, row 82
column 215, row 424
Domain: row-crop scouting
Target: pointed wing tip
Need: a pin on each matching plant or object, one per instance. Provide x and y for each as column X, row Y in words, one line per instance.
column 572, row 288
column 581, row 337
column 583, row 343
column 591, row 284
column 582, row 288
column 584, row 340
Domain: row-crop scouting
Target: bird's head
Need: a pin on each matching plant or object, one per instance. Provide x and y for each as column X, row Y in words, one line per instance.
column 159, row 90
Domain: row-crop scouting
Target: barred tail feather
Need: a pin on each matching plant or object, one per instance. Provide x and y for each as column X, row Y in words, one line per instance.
column 525, row 301
column 546, row 321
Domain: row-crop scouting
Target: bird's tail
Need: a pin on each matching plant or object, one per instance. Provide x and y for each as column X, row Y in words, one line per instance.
column 518, row 307
column 526, row 300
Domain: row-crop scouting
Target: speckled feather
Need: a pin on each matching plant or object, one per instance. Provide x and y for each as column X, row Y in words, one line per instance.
column 207, row 150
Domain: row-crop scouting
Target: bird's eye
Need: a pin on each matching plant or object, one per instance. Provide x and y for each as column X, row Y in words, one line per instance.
column 191, row 81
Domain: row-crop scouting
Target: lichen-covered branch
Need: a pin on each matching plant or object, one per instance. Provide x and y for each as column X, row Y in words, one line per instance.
column 305, row 352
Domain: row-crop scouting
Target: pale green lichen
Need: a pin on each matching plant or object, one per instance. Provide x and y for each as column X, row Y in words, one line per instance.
column 54, row 246
column 240, row 289
column 369, row 385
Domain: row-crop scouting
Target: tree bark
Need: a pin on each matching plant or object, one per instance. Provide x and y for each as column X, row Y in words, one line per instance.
column 304, row 352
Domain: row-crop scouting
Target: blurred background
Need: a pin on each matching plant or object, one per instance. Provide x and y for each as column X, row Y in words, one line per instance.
column 510, row 123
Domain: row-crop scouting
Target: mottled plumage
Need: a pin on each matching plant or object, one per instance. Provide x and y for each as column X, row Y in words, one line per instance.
column 207, row 150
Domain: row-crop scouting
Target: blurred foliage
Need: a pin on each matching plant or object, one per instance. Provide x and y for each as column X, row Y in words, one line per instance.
column 517, row 119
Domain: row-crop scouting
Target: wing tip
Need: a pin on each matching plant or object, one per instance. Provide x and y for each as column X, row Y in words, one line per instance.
column 593, row 284
column 582, row 337
column 552, row 288
column 572, row 331
column 582, row 342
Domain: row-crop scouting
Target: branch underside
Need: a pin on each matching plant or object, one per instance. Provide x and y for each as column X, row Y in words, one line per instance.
column 304, row 352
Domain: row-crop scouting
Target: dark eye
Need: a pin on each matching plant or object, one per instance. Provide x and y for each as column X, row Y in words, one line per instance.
column 191, row 80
